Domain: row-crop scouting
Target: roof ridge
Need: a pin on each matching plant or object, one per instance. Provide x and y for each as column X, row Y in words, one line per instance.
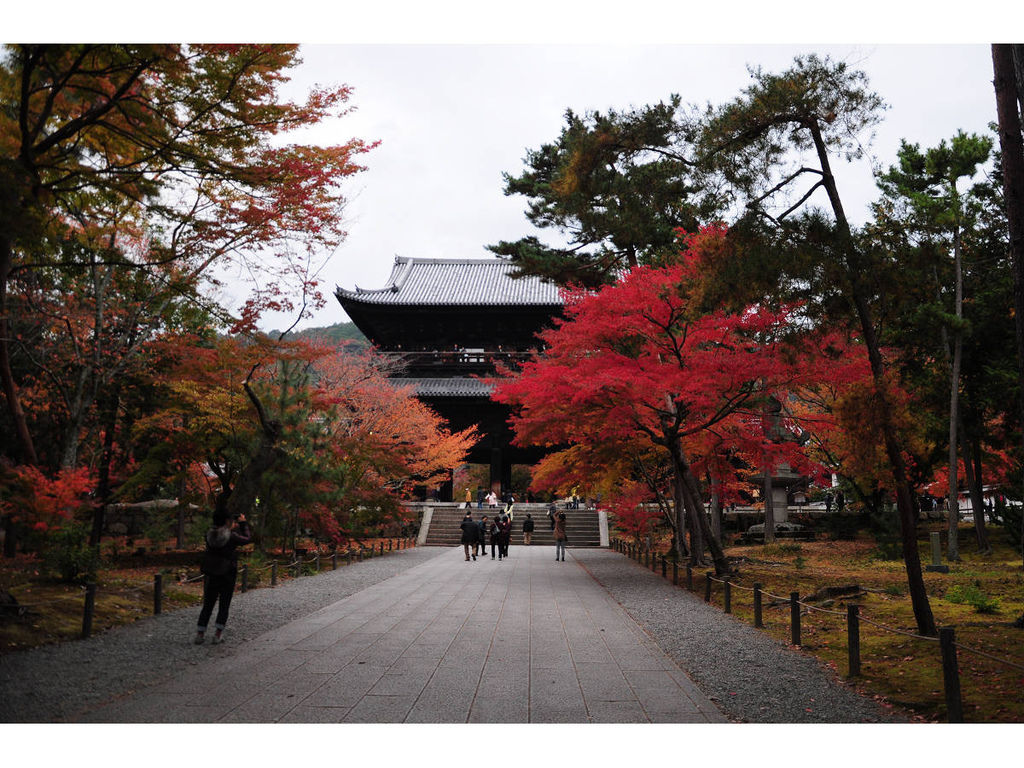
column 488, row 260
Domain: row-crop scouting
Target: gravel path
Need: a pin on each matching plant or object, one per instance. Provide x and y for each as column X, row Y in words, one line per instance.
column 750, row 676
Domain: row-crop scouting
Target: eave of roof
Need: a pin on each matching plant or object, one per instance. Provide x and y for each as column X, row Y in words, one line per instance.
column 447, row 387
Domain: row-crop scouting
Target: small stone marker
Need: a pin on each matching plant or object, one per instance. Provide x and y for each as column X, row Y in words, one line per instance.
column 936, row 565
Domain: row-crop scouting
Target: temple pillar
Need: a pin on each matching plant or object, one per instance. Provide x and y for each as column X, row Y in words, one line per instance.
column 497, row 470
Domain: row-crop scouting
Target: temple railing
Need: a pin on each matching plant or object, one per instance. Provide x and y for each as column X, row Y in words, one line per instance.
column 457, row 362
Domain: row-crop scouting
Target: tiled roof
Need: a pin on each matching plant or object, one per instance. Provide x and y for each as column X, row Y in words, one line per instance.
column 448, row 387
column 455, row 282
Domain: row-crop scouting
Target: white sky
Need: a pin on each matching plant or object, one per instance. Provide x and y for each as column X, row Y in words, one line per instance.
column 456, row 94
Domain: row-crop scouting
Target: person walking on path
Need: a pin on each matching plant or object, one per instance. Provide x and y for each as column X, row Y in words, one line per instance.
column 504, row 536
column 220, row 567
column 469, row 498
column 470, row 535
column 495, row 532
column 552, row 514
column 527, row 529
column 480, row 496
column 560, row 537
column 482, row 526
column 492, row 500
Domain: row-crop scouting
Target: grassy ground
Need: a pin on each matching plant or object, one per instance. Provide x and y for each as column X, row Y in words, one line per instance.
column 51, row 611
column 899, row 669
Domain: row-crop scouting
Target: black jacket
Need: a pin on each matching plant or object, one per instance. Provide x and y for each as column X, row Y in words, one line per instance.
column 470, row 531
column 221, row 556
column 528, row 525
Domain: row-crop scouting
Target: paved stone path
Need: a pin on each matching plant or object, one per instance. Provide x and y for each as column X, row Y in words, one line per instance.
column 524, row 640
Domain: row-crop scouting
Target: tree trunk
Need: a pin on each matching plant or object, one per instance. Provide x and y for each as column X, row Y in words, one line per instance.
column 10, row 388
column 679, row 505
column 243, row 495
column 103, row 491
column 695, row 509
column 953, row 543
column 905, row 498
column 716, row 510
column 1009, row 90
column 971, row 451
column 179, row 528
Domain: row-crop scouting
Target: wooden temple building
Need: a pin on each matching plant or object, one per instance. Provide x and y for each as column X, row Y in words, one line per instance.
column 447, row 321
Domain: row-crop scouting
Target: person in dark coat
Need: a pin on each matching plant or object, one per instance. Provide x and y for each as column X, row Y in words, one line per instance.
column 552, row 514
column 527, row 529
column 220, row 566
column 505, row 526
column 495, row 533
column 484, row 527
column 560, row 537
column 470, row 535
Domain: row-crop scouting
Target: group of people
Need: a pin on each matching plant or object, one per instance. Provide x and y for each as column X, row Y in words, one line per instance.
column 475, row 534
column 491, row 498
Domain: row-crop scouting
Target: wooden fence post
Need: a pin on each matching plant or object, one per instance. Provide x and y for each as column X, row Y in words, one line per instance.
column 853, row 638
column 334, row 561
column 90, row 607
column 675, row 572
column 245, row 577
column 757, row 605
column 707, row 586
column 273, row 574
column 689, row 577
column 951, row 675
column 728, row 596
column 349, row 553
column 158, row 593
column 794, row 613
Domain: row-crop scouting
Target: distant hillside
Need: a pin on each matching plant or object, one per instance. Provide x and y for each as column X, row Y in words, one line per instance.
column 333, row 334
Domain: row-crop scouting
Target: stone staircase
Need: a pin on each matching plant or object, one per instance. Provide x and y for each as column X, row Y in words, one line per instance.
column 439, row 524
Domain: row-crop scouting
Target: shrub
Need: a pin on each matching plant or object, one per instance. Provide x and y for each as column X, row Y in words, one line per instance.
column 69, row 555
column 972, row 595
column 885, row 529
column 841, row 527
column 1008, row 516
column 781, row 548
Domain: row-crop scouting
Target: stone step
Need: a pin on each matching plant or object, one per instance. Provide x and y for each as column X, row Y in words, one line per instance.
column 582, row 525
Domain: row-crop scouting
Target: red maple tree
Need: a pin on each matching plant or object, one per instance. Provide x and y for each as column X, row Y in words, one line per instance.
column 641, row 360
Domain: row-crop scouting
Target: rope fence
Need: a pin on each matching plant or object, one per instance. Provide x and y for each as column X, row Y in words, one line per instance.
column 89, row 591
column 946, row 640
